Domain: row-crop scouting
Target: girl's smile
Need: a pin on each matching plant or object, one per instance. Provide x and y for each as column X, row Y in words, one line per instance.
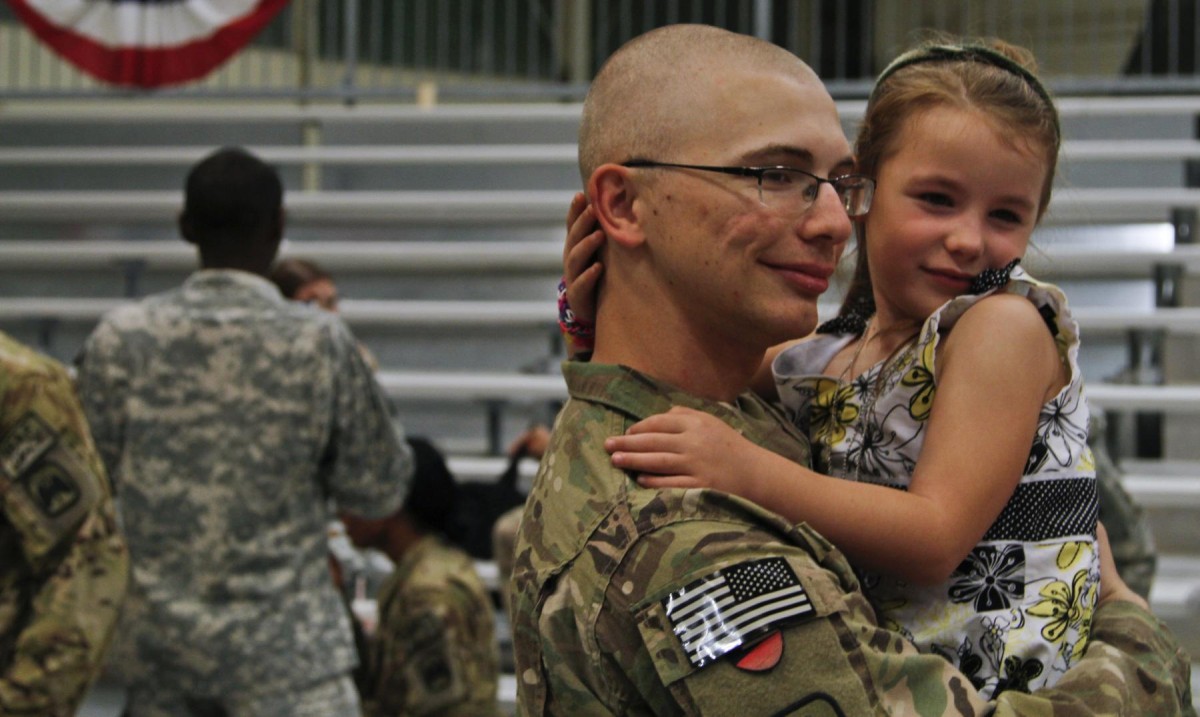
column 957, row 197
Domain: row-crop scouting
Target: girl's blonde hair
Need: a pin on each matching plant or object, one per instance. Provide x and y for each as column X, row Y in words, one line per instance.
column 991, row 77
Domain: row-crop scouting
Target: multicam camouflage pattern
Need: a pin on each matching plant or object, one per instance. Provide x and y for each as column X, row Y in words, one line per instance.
column 504, row 541
column 435, row 651
column 63, row 564
column 333, row 696
column 228, row 417
column 1129, row 532
column 596, row 554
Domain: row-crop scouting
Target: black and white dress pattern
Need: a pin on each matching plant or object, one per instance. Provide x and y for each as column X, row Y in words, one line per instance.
column 1016, row 612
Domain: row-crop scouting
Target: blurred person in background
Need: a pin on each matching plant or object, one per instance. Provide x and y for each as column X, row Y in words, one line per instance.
column 305, row 281
column 433, row 651
column 228, row 418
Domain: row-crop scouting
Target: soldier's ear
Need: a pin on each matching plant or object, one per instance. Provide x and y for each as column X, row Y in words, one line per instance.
column 186, row 228
column 280, row 223
column 612, row 192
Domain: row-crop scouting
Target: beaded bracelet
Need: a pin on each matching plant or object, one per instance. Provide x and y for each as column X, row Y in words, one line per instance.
column 579, row 333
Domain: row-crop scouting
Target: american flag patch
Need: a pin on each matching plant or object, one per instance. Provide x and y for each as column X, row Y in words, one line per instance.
column 733, row 606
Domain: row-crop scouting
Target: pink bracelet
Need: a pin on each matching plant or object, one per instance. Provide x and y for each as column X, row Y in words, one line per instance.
column 579, row 333
column 571, row 324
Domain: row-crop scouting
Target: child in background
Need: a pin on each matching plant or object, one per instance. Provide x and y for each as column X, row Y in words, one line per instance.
column 974, row 516
column 305, row 281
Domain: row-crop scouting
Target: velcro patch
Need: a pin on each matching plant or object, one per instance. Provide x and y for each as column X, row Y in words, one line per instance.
column 763, row 656
column 434, row 680
column 46, row 488
column 26, row 442
column 735, row 606
column 52, row 489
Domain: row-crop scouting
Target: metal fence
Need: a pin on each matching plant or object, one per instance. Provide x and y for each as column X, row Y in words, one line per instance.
column 541, row 49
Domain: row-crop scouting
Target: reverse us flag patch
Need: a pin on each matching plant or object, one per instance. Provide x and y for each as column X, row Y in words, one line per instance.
column 735, row 606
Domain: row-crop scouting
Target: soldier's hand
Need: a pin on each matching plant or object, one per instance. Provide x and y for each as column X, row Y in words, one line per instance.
column 1112, row 587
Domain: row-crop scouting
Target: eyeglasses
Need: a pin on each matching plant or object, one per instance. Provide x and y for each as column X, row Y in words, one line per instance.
column 788, row 188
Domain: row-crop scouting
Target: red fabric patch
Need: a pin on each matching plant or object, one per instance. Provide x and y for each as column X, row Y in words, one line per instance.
column 764, row 655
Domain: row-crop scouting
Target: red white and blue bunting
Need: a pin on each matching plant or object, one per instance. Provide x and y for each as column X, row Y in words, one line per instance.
column 146, row 43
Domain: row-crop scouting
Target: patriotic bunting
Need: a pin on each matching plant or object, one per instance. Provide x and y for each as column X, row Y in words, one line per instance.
column 146, row 43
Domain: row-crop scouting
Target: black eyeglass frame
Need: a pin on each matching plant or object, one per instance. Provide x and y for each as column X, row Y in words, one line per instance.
column 759, row 172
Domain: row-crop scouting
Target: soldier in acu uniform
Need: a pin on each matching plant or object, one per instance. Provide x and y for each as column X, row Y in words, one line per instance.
column 630, row 601
column 63, row 564
column 228, row 418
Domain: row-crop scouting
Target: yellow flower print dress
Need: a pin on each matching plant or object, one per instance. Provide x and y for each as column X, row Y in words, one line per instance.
column 1016, row 612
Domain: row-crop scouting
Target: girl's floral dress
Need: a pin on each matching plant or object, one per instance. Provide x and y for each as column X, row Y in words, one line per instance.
column 1016, row 612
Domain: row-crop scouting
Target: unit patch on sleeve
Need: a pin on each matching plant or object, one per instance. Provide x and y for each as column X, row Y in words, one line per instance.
column 735, row 606
column 24, row 443
column 433, row 680
column 46, row 489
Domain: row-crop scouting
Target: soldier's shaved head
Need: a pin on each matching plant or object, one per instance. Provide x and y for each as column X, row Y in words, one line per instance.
column 657, row 91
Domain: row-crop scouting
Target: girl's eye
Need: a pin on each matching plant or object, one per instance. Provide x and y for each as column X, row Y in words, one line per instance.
column 1008, row 216
column 937, row 199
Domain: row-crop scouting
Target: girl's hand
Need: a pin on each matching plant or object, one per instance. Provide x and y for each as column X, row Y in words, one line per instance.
column 581, row 269
column 686, row 448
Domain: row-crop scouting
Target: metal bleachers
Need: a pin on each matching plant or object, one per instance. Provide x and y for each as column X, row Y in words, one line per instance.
column 443, row 227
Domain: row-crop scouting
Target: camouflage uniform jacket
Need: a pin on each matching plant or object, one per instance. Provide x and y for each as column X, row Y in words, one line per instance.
column 1129, row 533
column 434, row 652
column 63, row 565
column 630, row 601
column 227, row 417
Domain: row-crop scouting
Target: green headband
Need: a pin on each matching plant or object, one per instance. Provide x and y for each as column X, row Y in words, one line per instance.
column 970, row 53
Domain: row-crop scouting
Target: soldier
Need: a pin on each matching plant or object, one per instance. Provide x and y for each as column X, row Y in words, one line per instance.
column 532, row 444
column 63, row 564
column 1129, row 532
column 434, row 650
column 228, row 417
column 633, row 601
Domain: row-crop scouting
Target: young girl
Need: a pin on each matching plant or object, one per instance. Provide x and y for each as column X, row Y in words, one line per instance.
column 973, row 516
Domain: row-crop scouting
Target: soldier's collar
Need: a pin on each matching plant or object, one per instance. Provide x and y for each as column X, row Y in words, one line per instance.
column 224, row 279
column 638, row 395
